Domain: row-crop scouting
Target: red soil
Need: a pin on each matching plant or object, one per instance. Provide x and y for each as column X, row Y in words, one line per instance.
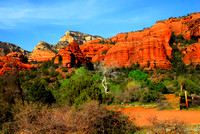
column 142, row 115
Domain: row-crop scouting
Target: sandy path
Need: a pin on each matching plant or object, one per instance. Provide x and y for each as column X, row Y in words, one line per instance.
column 142, row 115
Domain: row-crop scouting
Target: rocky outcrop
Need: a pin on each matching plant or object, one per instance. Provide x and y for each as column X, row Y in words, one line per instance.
column 78, row 37
column 72, row 56
column 6, row 48
column 13, row 61
column 188, row 26
column 191, row 54
column 150, row 45
column 44, row 51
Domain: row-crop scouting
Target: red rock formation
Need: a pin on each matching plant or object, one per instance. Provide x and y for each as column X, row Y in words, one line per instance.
column 42, row 52
column 94, row 50
column 13, row 61
column 192, row 54
column 72, row 56
column 151, row 44
column 186, row 26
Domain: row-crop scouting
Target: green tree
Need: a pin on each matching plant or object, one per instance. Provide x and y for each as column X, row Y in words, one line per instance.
column 38, row 93
column 79, row 88
column 138, row 75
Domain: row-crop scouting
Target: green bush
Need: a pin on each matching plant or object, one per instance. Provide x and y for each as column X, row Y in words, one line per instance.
column 138, row 75
column 65, row 69
column 38, row 93
column 54, row 73
column 148, row 96
column 79, row 89
column 45, row 72
column 32, row 74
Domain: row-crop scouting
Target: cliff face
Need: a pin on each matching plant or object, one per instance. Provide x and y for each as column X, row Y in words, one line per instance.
column 78, row 37
column 72, row 56
column 150, row 45
column 6, row 48
column 44, row 51
column 12, row 61
column 187, row 26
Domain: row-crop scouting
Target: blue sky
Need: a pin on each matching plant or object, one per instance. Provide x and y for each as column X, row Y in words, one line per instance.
column 26, row 22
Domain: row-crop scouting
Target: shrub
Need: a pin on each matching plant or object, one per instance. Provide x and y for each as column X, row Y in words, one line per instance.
column 138, row 75
column 100, row 120
column 158, row 87
column 90, row 118
column 65, row 69
column 45, row 72
column 38, row 93
column 148, row 96
column 54, row 73
column 32, row 74
column 80, row 89
column 168, row 126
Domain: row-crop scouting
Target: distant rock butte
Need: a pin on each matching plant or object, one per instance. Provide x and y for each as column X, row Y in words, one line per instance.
column 150, row 45
column 6, row 48
column 12, row 61
column 44, row 51
column 78, row 37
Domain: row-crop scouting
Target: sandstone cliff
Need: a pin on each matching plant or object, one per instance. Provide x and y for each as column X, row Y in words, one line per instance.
column 149, row 45
column 12, row 61
column 78, row 37
column 72, row 56
column 44, row 51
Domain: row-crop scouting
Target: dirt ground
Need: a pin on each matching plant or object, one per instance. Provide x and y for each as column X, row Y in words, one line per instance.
column 142, row 114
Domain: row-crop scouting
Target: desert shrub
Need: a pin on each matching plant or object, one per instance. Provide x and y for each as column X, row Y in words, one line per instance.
column 105, row 52
column 54, row 73
column 33, row 119
column 158, row 87
column 65, row 69
column 115, row 89
column 32, row 74
column 79, row 89
column 98, row 78
column 6, row 113
column 191, row 86
column 100, row 120
column 90, row 118
column 45, row 72
column 167, row 126
column 138, row 75
column 163, row 104
column 37, row 93
column 131, row 92
column 108, row 98
column 148, row 96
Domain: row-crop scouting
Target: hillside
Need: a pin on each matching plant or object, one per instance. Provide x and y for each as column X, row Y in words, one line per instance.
column 151, row 46
column 6, row 48
column 44, row 51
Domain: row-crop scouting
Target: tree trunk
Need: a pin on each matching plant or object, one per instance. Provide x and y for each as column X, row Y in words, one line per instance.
column 181, row 88
column 104, row 84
